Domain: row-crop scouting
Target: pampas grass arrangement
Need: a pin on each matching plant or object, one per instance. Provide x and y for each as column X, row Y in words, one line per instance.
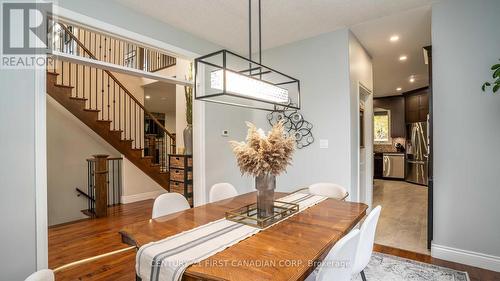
column 263, row 154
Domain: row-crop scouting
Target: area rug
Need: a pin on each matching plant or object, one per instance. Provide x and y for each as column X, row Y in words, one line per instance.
column 391, row 268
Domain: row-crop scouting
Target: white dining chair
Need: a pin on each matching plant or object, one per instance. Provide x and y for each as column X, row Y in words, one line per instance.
column 41, row 275
column 366, row 240
column 221, row 191
column 337, row 264
column 169, row 203
column 331, row 190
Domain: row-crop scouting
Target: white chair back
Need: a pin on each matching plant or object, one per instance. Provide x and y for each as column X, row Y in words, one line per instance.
column 338, row 263
column 331, row 190
column 41, row 275
column 169, row 203
column 221, row 191
column 366, row 240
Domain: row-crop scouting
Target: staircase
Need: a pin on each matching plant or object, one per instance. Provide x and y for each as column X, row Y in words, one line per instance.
column 98, row 99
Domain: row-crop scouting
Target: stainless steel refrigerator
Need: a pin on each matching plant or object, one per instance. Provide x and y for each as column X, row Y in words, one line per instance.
column 417, row 153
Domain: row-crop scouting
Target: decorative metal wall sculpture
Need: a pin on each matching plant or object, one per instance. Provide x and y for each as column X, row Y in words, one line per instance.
column 294, row 125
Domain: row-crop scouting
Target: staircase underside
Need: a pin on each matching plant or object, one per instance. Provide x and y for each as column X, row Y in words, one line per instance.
column 76, row 106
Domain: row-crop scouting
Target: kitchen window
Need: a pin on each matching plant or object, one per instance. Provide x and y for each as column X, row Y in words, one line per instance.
column 382, row 126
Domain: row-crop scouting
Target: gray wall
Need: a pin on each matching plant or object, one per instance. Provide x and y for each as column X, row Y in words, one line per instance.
column 361, row 159
column 322, row 66
column 17, row 174
column 466, row 41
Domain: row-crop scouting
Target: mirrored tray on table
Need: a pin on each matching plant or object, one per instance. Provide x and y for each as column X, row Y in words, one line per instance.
column 248, row 214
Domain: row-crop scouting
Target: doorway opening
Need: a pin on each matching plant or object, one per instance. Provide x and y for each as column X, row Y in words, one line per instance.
column 125, row 104
column 401, row 127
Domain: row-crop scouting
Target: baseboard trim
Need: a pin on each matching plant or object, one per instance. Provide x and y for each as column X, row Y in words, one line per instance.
column 466, row 257
column 141, row 196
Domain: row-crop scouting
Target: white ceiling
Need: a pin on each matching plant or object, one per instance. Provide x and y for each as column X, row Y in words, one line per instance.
column 161, row 97
column 414, row 29
column 225, row 22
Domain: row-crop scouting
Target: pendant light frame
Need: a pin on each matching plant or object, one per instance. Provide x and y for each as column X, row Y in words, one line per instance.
column 253, row 72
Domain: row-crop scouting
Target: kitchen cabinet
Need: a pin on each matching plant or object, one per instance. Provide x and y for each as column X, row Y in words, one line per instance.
column 396, row 105
column 417, row 105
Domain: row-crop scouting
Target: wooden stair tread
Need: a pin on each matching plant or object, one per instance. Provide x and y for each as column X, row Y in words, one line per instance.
column 77, row 98
column 91, row 110
column 64, row 86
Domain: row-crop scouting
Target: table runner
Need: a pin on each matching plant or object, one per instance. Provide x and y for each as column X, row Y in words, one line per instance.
column 167, row 259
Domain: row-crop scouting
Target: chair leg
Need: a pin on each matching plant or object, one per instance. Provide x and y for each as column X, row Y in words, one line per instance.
column 363, row 275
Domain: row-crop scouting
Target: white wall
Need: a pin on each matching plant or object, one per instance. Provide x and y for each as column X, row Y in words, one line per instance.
column 69, row 143
column 465, row 41
column 182, row 69
column 360, row 71
column 137, row 185
column 322, row 66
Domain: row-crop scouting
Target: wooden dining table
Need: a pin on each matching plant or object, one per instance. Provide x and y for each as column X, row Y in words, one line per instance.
column 289, row 250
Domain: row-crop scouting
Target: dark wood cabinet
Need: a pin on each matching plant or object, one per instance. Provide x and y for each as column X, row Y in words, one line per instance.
column 417, row 105
column 396, row 105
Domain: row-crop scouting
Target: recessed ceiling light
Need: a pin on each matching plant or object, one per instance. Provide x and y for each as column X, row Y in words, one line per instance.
column 403, row 58
column 399, row 89
column 147, row 97
column 394, row 38
column 412, row 79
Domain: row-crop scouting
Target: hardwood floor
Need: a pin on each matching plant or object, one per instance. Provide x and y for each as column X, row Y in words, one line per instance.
column 83, row 239
column 87, row 238
column 403, row 220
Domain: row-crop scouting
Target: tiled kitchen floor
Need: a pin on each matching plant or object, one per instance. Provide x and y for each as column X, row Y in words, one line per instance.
column 403, row 220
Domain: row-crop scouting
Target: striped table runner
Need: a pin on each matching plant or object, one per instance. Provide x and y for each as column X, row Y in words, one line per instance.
column 168, row 258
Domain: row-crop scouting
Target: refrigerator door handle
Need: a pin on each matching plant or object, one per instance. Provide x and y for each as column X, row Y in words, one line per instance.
column 415, row 162
column 386, row 169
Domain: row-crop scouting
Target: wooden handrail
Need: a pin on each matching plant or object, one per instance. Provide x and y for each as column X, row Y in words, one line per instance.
column 91, row 55
column 110, row 158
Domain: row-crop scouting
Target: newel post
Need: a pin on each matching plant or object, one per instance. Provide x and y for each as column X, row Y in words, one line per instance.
column 101, row 185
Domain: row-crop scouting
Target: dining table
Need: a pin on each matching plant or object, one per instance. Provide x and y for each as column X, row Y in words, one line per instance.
column 288, row 250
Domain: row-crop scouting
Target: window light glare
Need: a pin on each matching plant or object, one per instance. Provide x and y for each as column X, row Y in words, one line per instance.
column 246, row 86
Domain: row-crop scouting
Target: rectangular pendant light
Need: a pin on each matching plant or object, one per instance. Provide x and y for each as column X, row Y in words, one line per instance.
column 227, row 78
column 247, row 86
